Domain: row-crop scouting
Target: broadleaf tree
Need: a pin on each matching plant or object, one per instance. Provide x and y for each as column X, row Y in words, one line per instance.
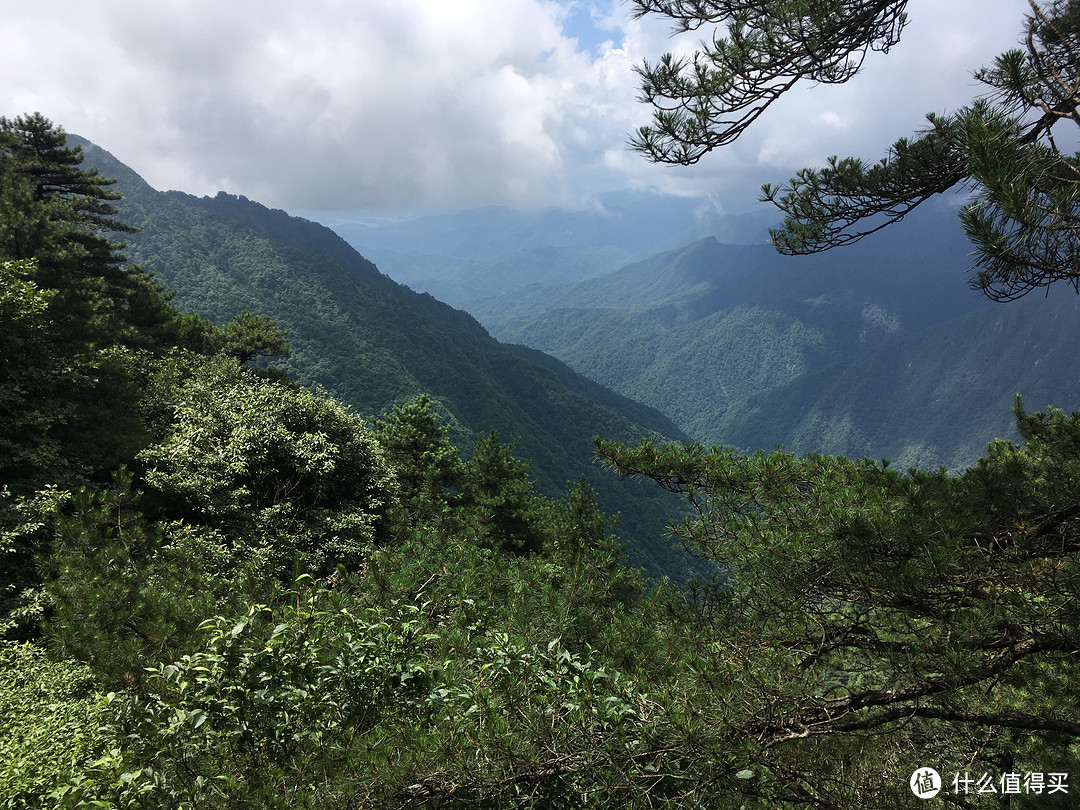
column 1008, row 148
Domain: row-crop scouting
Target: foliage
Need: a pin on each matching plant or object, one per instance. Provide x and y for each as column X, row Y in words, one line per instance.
column 61, row 215
column 31, row 381
column 869, row 612
column 50, row 398
column 26, row 527
column 496, row 487
column 77, row 319
column 447, row 671
column 286, row 607
column 265, row 464
column 709, row 99
column 272, row 706
column 63, row 208
column 249, row 481
column 427, row 465
column 126, row 592
column 73, row 323
column 490, row 496
column 374, row 344
column 48, row 725
column 1022, row 216
column 246, row 337
column 526, row 649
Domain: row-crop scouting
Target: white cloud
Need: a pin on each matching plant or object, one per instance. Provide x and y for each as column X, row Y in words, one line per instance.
column 406, row 103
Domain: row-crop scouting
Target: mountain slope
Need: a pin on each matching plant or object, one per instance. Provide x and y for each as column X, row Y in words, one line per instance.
column 880, row 349
column 932, row 398
column 469, row 255
column 374, row 344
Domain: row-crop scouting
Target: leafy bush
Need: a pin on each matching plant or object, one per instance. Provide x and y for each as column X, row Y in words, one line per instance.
column 48, row 720
column 275, row 708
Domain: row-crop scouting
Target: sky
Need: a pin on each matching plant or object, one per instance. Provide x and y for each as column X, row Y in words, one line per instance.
column 390, row 106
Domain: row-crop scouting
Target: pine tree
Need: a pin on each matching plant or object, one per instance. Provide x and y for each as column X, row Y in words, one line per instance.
column 870, row 616
column 1006, row 146
column 60, row 214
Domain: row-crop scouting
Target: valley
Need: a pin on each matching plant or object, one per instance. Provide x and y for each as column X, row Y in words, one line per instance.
column 880, row 350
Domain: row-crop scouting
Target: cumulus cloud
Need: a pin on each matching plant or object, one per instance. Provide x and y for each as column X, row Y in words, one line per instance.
column 333, row 104
column 930, row 70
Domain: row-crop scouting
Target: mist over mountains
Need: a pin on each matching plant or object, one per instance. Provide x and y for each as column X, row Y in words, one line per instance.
column 466, row 256
column 592, row 502
column 880, row 349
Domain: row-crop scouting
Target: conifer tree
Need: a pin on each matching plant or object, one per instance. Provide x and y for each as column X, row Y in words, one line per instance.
column 871, row 617
column 60, row 214
column 427, row 465
column 1009, row 147
column 57, row 224
column 246, row 337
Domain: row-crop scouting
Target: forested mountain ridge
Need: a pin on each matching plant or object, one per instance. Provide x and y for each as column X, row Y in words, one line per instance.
column 227, row 591
column 929, row 398
column 374, row 343
column 743, row 347
column 716, row 273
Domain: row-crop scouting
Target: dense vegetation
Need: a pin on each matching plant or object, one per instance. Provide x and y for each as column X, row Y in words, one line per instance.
column 224, row 589
column 374, row 344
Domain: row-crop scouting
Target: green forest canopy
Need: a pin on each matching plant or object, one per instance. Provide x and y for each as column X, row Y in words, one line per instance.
column 225, row 590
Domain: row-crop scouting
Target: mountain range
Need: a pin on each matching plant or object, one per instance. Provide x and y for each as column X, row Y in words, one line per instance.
column 634, row 319
column 374, row 343
column 877, row 350
column 465, row 256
